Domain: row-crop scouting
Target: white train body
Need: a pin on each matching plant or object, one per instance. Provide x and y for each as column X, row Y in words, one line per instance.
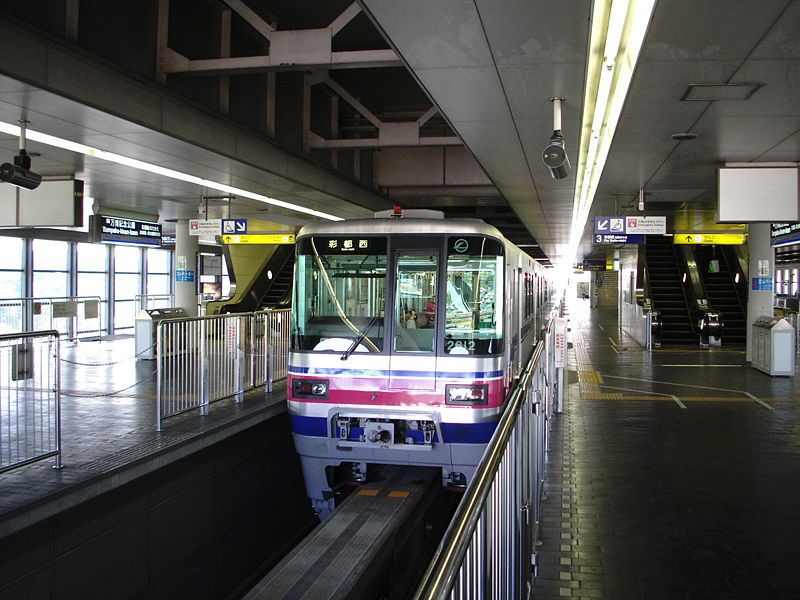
column 406, row 335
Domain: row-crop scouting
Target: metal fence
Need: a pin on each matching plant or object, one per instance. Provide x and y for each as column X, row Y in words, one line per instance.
column 146, row 301
column 488, row 549
column 30, row 417
column 203, row 359
column 74, row 317
column 636, row 323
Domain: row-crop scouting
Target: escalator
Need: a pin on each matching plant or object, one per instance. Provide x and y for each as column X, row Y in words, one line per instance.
column 666, row 291
column 269, row 286
column 723, row 296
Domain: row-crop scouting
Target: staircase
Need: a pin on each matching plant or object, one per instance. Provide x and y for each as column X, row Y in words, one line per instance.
column 667, row 292
column 722, row 297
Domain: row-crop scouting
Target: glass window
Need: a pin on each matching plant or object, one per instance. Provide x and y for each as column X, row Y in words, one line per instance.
column 93, row 257
column 474, row 296
column 11, row 253
column 92, row 284
column 157, row 284
column 124, row 315
column 157, row 261
column 339, row 294
column 415, row 302
column 126, row 259
column 126, row 286
column 49, row 255
column 50, row 284
column 10, row 284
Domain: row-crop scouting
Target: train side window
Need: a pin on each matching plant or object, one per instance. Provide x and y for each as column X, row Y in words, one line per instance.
column 415, row 301
column 474, row 296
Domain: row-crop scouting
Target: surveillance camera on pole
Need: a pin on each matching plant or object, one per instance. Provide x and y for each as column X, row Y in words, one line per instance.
column 19, row 172
column 555, row 155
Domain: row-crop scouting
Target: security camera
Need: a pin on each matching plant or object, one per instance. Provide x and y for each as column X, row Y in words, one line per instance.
column 19, row 176
column 555, row 157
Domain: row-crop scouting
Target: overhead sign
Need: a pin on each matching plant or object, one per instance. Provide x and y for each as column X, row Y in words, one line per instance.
column 613, row 238
column 646, row 225
column 729, row 239
column 128, row 231
column 609, row 225
column 630, row 225
column 52, row 204
column 594, row 264
column 260, row 238
column 184, row 276
column 205, row 226
column 234, row 226
column 785, row 233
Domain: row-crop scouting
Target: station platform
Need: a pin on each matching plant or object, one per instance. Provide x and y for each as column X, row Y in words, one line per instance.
column 672, row 474
column 108, row 417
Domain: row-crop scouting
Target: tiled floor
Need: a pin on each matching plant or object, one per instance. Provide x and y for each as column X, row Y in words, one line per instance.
column 108, row 414
column 668, row 479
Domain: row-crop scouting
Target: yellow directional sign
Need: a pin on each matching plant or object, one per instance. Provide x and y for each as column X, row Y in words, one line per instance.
column 259, row 238
column 689, row 237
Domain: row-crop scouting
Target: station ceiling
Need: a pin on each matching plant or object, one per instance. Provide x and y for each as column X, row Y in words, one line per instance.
column 490, row 68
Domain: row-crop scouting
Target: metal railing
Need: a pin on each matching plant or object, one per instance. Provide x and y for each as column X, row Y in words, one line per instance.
column 146, row 301
column 636, row 322
column 488, row 549
column 204, row 359
column 30, row 409
column 74, row 317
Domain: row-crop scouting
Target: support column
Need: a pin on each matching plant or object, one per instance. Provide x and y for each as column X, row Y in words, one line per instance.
column 185, row 264
column 761, row 267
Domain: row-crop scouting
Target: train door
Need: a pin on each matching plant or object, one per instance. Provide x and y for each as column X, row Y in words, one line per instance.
column 413, row 348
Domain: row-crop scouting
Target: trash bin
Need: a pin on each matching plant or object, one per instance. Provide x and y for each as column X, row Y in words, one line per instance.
column 773, row 346
column 146, row 326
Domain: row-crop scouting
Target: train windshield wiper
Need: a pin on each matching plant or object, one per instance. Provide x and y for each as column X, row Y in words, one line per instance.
column 362, row 334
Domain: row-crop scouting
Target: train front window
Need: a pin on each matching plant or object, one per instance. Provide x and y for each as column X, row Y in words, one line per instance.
column 474, row 296
column 415, row 302
column 339, row 294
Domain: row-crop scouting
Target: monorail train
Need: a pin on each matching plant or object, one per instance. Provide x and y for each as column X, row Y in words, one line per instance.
column 406, row 335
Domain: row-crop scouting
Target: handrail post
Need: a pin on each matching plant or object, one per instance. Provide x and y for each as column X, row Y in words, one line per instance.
column 159, row 372
column 57, row 391
column 204, row 370
column 239, row 360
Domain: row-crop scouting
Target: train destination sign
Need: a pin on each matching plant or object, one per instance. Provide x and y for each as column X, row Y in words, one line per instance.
column 730, row 239
column 128, row 231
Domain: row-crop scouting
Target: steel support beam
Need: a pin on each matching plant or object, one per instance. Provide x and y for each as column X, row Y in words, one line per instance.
column 316, row 141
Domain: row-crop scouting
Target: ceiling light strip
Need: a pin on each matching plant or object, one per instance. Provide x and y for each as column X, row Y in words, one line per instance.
column 621, row 25
column 57, row 142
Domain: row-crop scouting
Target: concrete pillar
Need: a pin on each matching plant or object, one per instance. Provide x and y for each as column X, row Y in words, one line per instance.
column 761, row 267
column 185, row 264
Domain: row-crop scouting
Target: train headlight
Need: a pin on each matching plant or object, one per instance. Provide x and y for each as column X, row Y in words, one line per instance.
column 314, row 388
column 470, row 395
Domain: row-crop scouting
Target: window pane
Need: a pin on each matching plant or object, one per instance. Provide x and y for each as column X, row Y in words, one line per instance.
column 157, row 261
column 10, row 284
column 92, row 284
column 11, row 253
column 339, row 297
column 49, row 255
column 474, row 297
column 49, row 285
column 124, row 315
column 157, row 284
column 92, row 257
column 126, row 286
column 126, row 259
column 414, row 305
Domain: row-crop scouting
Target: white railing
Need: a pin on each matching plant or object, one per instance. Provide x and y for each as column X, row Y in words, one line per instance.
column 203, row 359
column 636, row 323
column 147, row 301
column 74, row 317
column 488, row 549
column 30, row 411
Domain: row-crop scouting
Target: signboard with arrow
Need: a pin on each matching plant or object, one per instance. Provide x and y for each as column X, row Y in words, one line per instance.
column 730, row 239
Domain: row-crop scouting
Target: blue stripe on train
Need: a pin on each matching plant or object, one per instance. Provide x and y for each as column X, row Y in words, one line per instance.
column 296, row 370
column 454, row 433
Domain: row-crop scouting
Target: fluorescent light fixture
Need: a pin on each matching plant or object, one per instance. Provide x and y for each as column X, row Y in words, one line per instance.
column 616, row 39
column 57, row 142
